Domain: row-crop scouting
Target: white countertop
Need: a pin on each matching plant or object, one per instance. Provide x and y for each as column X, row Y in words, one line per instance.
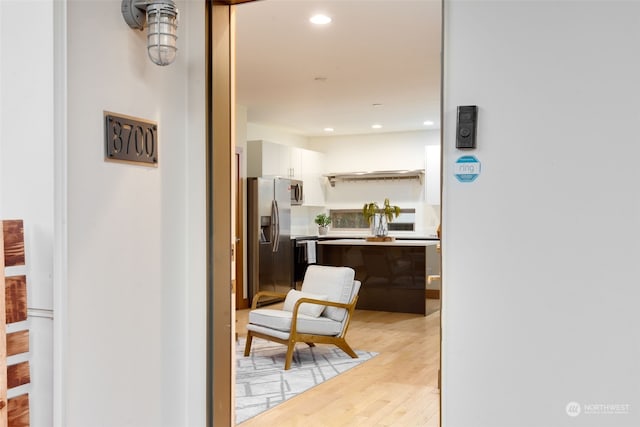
column 363, row 242
column 364, row 235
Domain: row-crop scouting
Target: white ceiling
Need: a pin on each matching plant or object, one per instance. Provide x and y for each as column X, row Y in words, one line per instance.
column 374, row 52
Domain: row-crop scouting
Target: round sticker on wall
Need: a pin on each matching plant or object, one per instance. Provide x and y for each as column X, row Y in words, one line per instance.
column 467, row 168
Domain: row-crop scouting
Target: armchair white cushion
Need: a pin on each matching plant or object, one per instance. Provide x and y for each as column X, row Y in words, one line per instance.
column 313, row 310
column 292, row 325
column 335, row 282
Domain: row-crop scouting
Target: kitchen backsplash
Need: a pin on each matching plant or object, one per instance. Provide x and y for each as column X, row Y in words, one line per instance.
column 302, row 219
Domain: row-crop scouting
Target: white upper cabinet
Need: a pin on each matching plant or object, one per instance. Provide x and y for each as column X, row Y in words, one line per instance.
column 267, row 159
column 295, row 162
column 270, row 159
column 313, row 168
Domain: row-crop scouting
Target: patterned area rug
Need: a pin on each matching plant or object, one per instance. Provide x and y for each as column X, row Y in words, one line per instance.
column 262, row 382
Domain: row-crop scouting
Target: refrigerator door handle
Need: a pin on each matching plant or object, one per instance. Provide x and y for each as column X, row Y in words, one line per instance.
column 272, row 229
column 276, row 244
column 275, row 213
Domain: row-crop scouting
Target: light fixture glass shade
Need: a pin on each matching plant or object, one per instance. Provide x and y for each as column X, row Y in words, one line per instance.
column 162, row 32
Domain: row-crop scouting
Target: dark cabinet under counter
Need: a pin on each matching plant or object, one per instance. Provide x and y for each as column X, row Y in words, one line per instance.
column 304, row 254
column 393, row 274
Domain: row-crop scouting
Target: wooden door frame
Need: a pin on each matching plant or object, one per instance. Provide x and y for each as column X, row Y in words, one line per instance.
column 220, row 158
column 219, row 154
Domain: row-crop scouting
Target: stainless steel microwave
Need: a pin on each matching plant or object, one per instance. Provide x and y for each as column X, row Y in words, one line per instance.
column 296, row 192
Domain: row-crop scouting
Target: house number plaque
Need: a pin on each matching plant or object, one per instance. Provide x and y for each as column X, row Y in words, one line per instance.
column 130, row 139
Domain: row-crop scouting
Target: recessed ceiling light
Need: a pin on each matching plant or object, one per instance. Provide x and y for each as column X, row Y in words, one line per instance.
column 428, row 123
column 376, row 105
column 376, row 126
column 320, row 19
column 328, row 129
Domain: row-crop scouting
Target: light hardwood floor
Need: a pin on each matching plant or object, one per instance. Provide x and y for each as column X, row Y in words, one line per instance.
column 399, row 387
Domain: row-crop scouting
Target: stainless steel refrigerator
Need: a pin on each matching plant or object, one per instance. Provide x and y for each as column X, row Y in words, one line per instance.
column 269, row 253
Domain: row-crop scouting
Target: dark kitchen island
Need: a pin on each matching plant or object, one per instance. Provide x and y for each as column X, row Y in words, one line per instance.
column 393, row 274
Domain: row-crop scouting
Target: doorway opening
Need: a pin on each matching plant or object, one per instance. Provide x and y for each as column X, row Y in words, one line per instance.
column 418, row 332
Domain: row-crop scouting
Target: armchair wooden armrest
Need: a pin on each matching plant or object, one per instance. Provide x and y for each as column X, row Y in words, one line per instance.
column 260, row 294
column 349, row 307
column 320, row 302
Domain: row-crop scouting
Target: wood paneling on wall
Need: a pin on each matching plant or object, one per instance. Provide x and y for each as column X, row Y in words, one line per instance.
column 14, row 412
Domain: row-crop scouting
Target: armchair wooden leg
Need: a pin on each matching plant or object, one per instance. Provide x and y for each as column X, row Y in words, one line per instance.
column 247, row 346
column 342, row 344
column 287, row 361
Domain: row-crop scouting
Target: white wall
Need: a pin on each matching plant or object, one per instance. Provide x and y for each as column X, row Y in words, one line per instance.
column 194, row 392
column 26, row 176
column 540, row 276
column 380, row 152
column 135, row 344
column 280, row 136
column 375, row 152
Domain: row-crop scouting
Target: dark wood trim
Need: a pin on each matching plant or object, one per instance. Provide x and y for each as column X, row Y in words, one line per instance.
column 13, row 230
column 432, row 293
column 17, row 342
column 18, row 411
column 18, row 374
column 242, row 300
column 3, row 337
column 15, row 292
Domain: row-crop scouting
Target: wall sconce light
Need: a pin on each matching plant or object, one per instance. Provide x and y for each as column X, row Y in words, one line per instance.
column 161, row 17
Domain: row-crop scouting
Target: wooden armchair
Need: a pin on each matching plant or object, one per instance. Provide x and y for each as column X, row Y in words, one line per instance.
column 319, row 313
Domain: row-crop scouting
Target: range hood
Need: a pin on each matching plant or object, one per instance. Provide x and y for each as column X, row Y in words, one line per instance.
column 417, row 174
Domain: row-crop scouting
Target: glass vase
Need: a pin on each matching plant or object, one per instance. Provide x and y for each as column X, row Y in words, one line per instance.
column 379, row 226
